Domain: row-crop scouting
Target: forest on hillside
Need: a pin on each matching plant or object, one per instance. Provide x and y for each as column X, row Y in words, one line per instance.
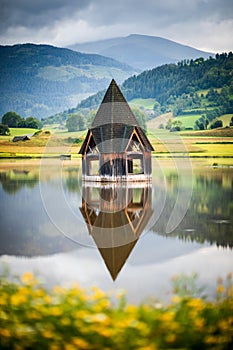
column 40, row 80
column 185, row 77
column 203, row 87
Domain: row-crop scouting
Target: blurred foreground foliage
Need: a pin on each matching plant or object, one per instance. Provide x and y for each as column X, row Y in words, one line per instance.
column 32, row 317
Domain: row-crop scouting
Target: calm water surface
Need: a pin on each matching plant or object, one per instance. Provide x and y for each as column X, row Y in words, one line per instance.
column 132, row 237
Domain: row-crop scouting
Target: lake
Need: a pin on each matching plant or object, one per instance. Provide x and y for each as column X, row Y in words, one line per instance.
column 134, row 237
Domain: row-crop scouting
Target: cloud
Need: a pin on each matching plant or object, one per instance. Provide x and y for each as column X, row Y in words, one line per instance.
column 202, row 23
column 34, row 14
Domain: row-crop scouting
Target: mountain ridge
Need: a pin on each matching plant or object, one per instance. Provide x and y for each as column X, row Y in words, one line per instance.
column 142, row 51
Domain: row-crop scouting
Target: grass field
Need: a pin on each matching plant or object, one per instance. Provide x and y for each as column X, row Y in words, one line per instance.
column 219, row 132
column 147, row 103
column 204, row 145
column 208, row 143
column 226, row 118
column 188, row 121
column 42, row 142
column 205, row 92
column 161, row 119
column 18, row 132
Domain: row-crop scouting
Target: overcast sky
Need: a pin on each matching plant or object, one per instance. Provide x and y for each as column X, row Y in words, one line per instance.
column 204, row 24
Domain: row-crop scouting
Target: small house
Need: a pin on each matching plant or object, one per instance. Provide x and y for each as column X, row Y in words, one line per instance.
column 116, row 147
column 21, row 138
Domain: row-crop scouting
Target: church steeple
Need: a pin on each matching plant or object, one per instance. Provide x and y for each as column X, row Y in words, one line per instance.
column 115, row 143
column 114, row 109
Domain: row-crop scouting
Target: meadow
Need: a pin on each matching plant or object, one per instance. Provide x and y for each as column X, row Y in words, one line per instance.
column 216, row 143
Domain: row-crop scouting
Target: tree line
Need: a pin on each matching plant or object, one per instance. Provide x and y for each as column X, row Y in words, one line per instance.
column 75, row 121
column 13, row 120
column 176, row 88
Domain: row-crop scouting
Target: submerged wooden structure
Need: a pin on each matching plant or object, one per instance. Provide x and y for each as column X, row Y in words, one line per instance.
column 116, row 216
column 115, row 148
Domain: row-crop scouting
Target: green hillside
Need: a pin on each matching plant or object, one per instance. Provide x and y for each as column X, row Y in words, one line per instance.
column 147, row 103
column 191, row 89
column 41, row 80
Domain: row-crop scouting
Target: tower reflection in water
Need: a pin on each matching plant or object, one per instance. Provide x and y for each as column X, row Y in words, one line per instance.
column 116, row 216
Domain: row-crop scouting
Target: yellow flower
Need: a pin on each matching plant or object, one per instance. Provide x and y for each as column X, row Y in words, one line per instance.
column 210, row 339
column 80, row 343
column 176, row 299
column 174, row 326
column 33, row 315
column 47, row 333
column 148, row 347
column 131, row 309
column 28, row 278
column 167, row 317
column 142, row 327
column 56, row 311
column 80, row 314
column 23, row 290
column 5, row 333
column 47, row 299
column 3, row 300
column 18, row 299
column 199, row 323
column 196, row 303
column 170, row 338
column 3, row 315
column 220, row 289
column 70, row 347
column 54, row 347
column 223, row 325
column 98, row 293
column 65, row 321
column 39, row 293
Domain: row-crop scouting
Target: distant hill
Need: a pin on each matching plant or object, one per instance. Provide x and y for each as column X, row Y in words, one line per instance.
column 40, row 80
column 141, row 51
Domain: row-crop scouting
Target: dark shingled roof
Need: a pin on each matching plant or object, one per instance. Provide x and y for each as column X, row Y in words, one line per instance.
column 114, row 124
column 114, row 109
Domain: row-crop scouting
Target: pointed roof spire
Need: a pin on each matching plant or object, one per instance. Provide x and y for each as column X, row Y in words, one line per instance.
column 115, row 257
column 114, row 109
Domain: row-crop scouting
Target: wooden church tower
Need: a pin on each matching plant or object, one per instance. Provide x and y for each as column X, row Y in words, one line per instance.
column 115, row 148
